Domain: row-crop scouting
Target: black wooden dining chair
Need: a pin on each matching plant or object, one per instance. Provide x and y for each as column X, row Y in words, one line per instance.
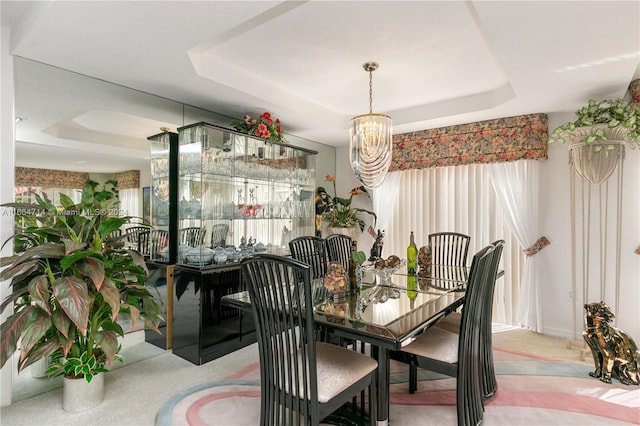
column 302, row 381
column 312, row 251
column 452, row 323
column 132, row 233
column 158, row 241
column 449, row 251
column 144, row 247
column 339, row 249
column 457, row 354
column 116, row 239
column 192, row 237
column 219, row 234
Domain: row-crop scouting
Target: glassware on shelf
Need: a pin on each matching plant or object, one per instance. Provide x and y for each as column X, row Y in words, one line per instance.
column 239, row 178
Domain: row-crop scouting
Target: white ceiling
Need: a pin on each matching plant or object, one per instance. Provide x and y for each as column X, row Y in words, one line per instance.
column 441, row 63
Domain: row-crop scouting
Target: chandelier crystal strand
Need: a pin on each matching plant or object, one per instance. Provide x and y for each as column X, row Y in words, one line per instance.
column 370, row 141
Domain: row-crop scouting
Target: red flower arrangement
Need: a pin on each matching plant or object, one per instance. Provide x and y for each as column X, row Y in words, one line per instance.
column 264, row 127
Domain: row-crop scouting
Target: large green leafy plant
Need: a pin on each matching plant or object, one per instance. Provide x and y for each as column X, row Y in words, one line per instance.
column 609, row 114
column 70, row 285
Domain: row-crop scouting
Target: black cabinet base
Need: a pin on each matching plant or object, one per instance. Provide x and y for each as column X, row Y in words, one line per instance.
column 195, row 354
column 204, row 329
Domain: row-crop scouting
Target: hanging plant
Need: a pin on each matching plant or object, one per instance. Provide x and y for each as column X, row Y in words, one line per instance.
column 601, row 116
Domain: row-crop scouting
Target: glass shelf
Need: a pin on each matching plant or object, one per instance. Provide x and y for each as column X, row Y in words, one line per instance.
column 263, row 191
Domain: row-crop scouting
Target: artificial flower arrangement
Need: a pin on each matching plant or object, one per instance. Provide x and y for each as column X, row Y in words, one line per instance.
column 339, row 213
column 263, row 127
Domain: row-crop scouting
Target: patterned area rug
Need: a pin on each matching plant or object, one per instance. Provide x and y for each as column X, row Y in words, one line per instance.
column 532, row 390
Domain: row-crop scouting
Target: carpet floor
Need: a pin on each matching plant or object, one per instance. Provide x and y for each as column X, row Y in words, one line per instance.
column 533, row 390
column 542, row 381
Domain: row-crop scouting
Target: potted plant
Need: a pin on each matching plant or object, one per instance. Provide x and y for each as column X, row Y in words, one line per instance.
column 601, row 126
column 599, row 122
column 69, row 286
column 340, row 214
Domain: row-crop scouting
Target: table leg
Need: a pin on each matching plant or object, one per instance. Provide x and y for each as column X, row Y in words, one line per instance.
column 382, row 356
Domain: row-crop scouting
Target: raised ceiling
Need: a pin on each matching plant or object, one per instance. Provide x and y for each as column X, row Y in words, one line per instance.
column 441, row 63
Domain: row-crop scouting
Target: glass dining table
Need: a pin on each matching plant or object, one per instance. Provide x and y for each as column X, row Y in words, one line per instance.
column 386, row 313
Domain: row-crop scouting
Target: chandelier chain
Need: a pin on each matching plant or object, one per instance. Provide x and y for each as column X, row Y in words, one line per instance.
column 370, row 91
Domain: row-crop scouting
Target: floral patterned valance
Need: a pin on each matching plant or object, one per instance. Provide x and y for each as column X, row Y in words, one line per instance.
column 46, row 178
column 128, row 180
column 491, row 141
column 634, row 90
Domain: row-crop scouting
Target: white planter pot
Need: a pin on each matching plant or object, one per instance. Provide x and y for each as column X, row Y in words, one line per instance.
column 353, row 232
column 596, row 167
column 78, row 395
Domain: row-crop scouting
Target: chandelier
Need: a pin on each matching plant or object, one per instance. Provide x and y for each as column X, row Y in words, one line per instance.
column 370, row 141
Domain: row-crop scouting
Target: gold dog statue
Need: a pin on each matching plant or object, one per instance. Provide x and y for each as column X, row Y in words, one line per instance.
column 614, row 352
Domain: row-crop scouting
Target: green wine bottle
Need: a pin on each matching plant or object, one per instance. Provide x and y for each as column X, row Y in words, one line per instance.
column 412, row 256
column 412, row 292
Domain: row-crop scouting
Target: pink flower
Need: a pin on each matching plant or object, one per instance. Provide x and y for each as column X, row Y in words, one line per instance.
column 264, row 126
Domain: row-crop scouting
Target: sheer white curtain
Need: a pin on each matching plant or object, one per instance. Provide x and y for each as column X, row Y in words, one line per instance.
column 130, row 203
column 458, row 199
column 383, row 197
column 516, row 185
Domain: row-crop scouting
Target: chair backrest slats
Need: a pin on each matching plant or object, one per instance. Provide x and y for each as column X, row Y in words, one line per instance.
column 339, row 249
column 219, row 234
column 312, row 251
column 449, row 249
column 143, row 242
column 192, row 237
column 469, row 382
column 279, row 288
column 133, row 233
column 159, row 241
column 152, row 241
column 488, row 378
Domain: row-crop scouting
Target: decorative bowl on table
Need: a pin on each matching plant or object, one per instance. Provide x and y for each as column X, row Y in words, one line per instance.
column 232, row 254
column 182, row 253
column 424, row 257
column 220, row 255
column 335, row 281
column 200, row 256
column 383, row 270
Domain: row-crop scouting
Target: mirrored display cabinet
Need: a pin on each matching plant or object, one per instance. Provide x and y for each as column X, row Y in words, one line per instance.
column 155, row 243
column 164, row 197
column 239, row 194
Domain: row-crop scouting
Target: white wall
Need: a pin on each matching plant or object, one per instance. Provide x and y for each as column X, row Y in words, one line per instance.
column 6, row 183
column 345, row 181
column 555, row 260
